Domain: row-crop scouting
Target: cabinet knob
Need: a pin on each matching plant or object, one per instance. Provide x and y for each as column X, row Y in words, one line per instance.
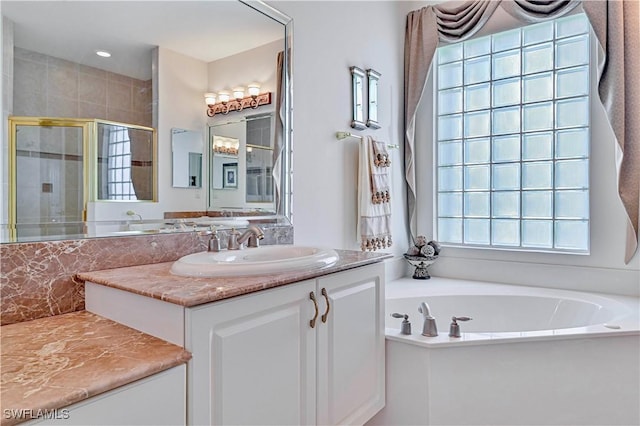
column 312, row 296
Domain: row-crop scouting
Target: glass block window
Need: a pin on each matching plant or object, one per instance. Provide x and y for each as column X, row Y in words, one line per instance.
column 119, row 182
column 512, row 134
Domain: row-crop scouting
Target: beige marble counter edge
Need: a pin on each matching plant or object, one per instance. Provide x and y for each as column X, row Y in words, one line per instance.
column 156, row 280
column 54, row 362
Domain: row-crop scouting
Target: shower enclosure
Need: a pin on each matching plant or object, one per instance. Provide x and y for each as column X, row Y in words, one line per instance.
column 57, row 165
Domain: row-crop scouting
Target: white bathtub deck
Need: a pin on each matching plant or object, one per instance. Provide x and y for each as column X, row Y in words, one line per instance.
column 625, row 322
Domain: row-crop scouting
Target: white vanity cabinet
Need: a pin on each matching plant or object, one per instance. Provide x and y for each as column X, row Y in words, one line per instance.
column 257, row 359
column 155, row 400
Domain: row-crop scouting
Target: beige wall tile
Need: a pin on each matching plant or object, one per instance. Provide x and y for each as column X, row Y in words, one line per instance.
column 92, row 89
column 29, row 76
column 118, row 96
column 62, row 82
column 30, row 103
column 61, row 107
column 89, row 110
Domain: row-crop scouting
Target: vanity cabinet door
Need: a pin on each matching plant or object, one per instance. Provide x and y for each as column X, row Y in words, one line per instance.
column 254, row 359
column 351, row 346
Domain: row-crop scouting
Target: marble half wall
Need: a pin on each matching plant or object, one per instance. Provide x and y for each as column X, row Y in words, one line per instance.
column 38, row 279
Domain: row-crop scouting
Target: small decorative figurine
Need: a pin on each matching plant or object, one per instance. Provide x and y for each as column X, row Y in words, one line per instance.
column 421, row 255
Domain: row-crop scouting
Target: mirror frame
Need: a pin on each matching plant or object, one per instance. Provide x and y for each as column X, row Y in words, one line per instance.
column 283, row 194
column 357, row 92
column 373, row 78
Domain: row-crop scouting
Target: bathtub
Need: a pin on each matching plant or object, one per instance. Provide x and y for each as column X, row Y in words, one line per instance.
column 528, row 356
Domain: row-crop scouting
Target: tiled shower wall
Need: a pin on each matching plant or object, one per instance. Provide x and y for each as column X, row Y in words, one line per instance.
column 45, row 86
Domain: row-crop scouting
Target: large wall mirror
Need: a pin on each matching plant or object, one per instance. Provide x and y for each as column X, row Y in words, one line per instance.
column 55, row 65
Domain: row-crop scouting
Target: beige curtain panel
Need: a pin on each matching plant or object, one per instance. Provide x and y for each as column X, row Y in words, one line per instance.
column 278, row 136
column 616, row 25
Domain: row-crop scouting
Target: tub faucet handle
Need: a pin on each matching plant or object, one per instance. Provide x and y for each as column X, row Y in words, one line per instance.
column 405, row 327
column 454, row 328
column 454, row 319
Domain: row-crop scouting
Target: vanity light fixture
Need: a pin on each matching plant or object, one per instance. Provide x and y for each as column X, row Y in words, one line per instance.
column 239, row 102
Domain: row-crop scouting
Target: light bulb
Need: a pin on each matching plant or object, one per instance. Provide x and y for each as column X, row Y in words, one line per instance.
column 238, row 93
column 224, row 97
column 210, row 98
column 254, row 89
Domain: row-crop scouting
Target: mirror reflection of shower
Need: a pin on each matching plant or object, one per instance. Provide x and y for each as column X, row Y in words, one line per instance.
column 47, row 179
column 58, row 165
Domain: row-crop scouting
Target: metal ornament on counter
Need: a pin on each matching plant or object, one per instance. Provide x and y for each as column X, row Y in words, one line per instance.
column 421, row 255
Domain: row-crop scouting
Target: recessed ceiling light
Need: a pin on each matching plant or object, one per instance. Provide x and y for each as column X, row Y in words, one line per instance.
column 103, row 53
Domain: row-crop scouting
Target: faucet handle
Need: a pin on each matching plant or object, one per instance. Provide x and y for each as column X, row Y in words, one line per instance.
column 454, row 328
column 232, row 244
column 405, row 327
column 214, row 241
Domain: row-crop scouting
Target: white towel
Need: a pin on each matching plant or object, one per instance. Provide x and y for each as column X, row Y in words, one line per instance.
column 374, row 220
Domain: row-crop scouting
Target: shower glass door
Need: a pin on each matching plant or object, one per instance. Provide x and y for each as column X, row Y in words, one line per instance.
column 48, row 178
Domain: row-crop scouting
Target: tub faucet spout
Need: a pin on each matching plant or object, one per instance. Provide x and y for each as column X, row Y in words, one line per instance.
column 429, row 328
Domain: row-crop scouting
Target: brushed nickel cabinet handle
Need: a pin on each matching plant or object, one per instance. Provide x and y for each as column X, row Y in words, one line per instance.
column 312, row 323
column 326, row 297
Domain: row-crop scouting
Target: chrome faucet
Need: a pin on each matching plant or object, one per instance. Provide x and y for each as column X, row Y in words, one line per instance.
column 429, row 328
column 252, row 235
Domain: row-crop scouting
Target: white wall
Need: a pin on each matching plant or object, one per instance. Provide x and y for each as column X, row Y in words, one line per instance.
column 254, row 65
column 329, row 37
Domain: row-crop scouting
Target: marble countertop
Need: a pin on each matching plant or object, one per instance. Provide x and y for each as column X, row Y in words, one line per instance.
column 158, row 282
column 51, row 363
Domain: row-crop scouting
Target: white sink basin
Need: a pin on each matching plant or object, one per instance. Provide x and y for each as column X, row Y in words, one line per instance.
column 254, row 261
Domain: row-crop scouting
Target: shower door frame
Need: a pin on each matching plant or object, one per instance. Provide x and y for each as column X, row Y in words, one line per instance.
column 87, row 134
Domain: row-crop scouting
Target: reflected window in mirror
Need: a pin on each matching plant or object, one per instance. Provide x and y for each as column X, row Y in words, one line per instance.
column 125, row 162
column 259, row 156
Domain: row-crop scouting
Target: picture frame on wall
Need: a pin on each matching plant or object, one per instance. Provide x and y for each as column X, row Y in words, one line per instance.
column 230, row 176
